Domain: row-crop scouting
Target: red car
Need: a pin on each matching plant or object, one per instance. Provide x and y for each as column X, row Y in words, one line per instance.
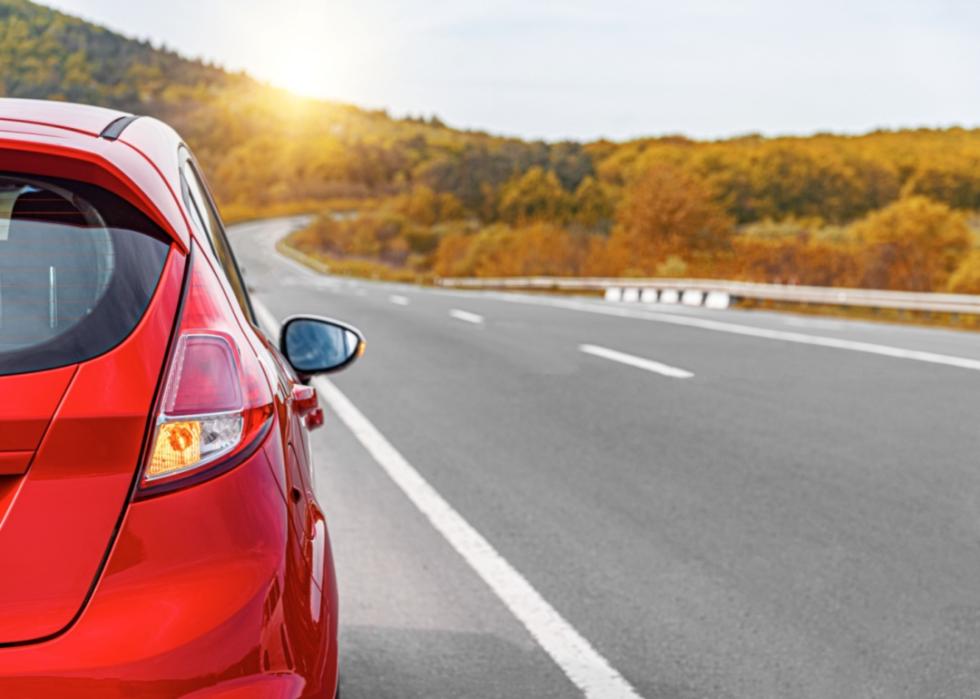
column 159, row 532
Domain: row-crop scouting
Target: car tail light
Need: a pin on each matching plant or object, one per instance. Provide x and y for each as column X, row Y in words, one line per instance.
column 216, row 402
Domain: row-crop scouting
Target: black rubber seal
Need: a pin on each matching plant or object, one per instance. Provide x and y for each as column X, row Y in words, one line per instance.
column 115, row 128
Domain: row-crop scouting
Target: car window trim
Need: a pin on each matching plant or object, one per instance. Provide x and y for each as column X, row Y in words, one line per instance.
column 187, row 160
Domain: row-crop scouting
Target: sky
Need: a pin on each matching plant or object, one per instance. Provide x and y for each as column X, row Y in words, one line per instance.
column 588, row 69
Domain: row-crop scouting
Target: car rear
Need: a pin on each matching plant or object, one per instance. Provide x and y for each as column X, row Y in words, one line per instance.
column 146, row 543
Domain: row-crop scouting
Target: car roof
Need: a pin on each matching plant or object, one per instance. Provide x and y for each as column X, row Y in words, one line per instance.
column 82, row 118
column 142, row 157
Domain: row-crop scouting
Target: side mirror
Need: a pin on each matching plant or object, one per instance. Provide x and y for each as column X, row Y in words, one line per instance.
column 315, row 345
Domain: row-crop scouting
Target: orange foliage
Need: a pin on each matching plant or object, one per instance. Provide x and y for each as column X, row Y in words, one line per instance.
column 914, row 244
column 500, row 251
column 966, row 278
column 802, row 259
column 666, row 212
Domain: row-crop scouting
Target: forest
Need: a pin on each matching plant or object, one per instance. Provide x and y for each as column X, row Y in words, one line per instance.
column 413, row 198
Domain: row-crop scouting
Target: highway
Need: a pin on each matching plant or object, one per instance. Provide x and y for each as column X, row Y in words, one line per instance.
column 550, row 497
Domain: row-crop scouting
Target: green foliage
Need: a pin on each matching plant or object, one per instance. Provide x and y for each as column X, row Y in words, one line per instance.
column 48, row 55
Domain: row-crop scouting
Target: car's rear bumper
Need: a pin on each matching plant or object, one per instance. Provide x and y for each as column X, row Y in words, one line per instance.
column 207, row 591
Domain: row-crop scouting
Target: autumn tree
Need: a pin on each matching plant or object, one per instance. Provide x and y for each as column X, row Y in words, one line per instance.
column 592, row 205
column 798, row 259
column 536, row 195
column 914, row 244
column 665, row 212
column 424, row 205
column 452, row 256
column 500, row 250
column 966, row 278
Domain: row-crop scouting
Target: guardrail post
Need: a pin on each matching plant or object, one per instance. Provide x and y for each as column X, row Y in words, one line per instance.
column 692, row 297
column 717, row 299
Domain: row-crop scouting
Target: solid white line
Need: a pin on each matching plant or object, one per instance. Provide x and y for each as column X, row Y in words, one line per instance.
column 751, row 331
column 583, row 665
column 466, row 316
column 638, row 362
column 398, row 300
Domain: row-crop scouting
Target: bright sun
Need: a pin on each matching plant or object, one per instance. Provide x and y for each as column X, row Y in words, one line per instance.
column 304, row 77
column 301, row 68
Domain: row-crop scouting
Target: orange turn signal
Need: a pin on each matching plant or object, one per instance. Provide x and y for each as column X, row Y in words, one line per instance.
column 177, row 446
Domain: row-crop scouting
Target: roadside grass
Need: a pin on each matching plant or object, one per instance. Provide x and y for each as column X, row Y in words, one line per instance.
column 240, row 212
column 349, row 267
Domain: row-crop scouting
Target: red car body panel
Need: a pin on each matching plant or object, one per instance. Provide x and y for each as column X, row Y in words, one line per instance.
column 52, row 554
column 223, row 588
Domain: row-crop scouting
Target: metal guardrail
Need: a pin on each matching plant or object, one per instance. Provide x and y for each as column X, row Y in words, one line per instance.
column 719, row 293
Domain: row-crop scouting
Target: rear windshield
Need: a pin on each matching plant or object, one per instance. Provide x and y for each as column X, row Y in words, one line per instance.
column 78, row 266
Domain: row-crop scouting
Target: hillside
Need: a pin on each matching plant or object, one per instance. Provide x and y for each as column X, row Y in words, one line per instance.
column 873, row 210
column 250, row 135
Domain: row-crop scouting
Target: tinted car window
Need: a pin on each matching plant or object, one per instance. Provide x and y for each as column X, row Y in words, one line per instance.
column 78, row 267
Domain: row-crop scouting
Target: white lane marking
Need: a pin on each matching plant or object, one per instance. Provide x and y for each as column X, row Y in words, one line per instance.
column 750, row 331
column 583, row 665
column 398, row 300
column 638, row 362
column 466, row 316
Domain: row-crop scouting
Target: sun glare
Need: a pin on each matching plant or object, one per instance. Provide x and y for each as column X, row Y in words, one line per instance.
column 302, row 76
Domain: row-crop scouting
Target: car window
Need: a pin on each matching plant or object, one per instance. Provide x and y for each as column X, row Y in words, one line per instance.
column 78, row 267
column 206, row 216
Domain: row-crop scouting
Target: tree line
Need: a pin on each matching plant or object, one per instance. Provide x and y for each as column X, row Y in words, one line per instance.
column 888, row 209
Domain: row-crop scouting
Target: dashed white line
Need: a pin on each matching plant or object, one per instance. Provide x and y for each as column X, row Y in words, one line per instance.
column 398, row 300
column 750, row 331
column 466, row 316
column 576, row 657
column 634, row 361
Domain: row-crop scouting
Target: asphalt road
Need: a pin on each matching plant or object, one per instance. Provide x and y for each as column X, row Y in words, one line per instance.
column 788, row 520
